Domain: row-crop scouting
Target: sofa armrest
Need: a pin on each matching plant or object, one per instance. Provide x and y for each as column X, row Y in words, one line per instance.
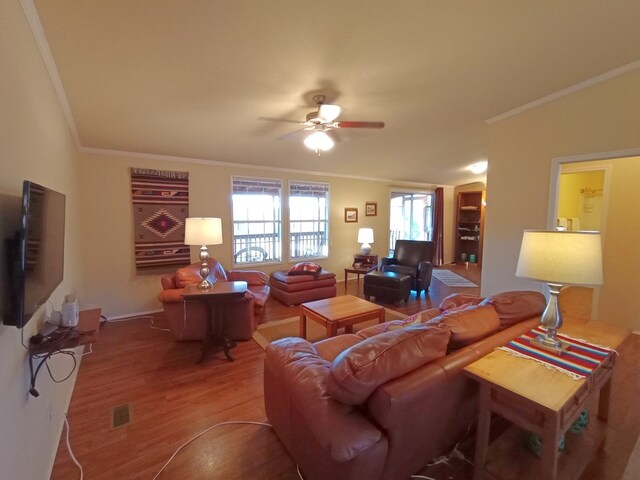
column 252, row 277
column 388, row 261
column 171, row 295
column 295, row 376
column 425, row 270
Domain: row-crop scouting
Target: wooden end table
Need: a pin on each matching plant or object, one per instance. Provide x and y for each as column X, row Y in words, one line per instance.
column 363, row 270
column 338, row 312
column 217, row 298
column 541, row 401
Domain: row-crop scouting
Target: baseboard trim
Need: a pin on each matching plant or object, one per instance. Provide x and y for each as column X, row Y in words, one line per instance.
column 132, row 315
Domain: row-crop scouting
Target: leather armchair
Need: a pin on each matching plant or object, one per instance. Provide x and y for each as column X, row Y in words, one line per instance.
column 188, row 321
column 413, row 258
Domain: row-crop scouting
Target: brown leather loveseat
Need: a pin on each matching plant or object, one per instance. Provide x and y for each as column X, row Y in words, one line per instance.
column 188, row 321
column 382, row 403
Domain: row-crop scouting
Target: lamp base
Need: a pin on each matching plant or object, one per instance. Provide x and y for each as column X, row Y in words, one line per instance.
column 550, row 344
column 365, row 249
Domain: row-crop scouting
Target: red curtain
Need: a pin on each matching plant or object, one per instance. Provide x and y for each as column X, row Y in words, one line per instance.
column 438, row 220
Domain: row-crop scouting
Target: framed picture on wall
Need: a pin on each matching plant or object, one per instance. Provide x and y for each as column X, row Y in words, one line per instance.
column 351, row 215
column 371, row 209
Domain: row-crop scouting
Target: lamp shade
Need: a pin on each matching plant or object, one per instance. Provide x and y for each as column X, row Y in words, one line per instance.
column 365, row 235
column 566, row 258
column 203, row 231
column 319, row 141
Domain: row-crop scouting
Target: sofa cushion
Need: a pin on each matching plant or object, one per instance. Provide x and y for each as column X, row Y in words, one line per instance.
column 305, row 268
column 456, row 300
column 513, row 307
column 469, row 325
column 359, row 370
column 187, row 276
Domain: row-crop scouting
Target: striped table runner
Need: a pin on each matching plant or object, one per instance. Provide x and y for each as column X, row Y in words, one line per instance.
column 578, row 361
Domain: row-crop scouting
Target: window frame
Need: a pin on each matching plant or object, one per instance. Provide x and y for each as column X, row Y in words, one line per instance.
column 279, row 222
column 327, row 221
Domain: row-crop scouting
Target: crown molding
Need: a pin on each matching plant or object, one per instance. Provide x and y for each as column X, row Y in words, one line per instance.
column 567, row 91
column 217, row 163
column 45, row 52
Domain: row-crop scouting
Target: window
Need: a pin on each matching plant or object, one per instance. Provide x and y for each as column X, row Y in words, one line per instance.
column 411, row 217
column 308, row 219
column 256, row 220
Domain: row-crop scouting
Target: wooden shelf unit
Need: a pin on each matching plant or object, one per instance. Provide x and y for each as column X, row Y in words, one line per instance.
column 469, row 226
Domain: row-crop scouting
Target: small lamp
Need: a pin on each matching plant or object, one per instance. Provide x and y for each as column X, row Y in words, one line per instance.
column 365, row 237
column 559, row 258
column 203, row 231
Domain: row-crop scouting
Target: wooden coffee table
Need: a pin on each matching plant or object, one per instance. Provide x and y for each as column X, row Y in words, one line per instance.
column 338, row 312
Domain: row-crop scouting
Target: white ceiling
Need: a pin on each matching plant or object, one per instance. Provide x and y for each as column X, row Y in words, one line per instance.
column 191, row 78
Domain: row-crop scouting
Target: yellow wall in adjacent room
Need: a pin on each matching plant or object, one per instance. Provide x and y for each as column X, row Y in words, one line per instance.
column 601, row 118
column 35, row 144
column 571, row 184
column 110, row 278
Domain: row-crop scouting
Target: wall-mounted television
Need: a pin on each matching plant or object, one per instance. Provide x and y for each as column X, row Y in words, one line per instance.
column 35, row 255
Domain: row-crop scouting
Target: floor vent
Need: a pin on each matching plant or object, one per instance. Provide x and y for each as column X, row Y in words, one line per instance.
column 120, row 415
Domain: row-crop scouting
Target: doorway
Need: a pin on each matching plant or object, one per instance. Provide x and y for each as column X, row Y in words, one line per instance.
column 411, row 216
column 612, row 211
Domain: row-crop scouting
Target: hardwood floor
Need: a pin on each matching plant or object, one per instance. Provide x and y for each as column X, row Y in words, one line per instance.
column 172, row 399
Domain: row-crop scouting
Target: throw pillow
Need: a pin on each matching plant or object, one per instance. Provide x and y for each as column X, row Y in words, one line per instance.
column 359, row 370
column 305, row 268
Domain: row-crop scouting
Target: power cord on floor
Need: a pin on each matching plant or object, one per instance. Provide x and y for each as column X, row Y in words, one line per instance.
column 141, row 317
column 232, row 422
column 73, row 457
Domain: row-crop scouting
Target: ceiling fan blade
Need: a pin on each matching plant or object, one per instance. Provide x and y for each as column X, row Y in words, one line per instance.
column 328, row 113
column 351, row 124
column 271, row 119
column 296, row 134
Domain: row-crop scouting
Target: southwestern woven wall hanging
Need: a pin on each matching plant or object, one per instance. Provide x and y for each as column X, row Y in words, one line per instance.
column 160, row 207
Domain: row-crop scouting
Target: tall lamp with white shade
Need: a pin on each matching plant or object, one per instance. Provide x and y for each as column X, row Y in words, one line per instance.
column 365, row 237
column 203, row 231
column 559, row 258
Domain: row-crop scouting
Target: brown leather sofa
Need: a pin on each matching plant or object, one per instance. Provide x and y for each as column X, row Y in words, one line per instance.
column 188, row 321
column 413, row 258
column 382, row 403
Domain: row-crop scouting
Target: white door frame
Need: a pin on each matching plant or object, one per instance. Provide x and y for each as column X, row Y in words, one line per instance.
column 599, row 163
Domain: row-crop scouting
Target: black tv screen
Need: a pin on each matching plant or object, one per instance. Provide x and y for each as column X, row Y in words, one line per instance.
column 36, row 256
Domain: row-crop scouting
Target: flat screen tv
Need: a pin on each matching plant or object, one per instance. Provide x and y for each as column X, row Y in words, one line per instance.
column 35, row 256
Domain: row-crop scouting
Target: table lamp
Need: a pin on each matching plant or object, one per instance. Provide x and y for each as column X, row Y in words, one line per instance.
column 365, row 237
column 203, row 231
column 559, row 258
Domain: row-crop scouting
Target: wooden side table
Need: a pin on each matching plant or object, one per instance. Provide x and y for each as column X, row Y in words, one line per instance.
column 216, row 297
column 358, row 271
column 541, row 401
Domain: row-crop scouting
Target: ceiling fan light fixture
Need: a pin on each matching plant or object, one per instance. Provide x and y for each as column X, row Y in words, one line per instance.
column 318, row 141
column 328, row 113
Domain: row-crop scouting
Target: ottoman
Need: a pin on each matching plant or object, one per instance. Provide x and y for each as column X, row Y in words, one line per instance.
column 388, row 285
column 296, row 289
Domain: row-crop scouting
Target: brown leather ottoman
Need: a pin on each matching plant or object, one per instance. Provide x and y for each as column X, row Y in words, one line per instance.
column 387, row 285
column 296, row 289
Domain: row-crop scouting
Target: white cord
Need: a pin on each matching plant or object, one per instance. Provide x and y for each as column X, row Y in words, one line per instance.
column 233, row 422
column 89, row 352
column 422, row 476
column 299, row 473
column 141, row 317
column 73, row 457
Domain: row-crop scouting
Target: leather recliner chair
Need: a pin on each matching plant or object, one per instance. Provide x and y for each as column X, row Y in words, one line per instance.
column 413, row 258
column 188, row 321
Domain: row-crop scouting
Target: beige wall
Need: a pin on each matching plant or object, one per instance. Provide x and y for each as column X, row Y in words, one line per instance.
column 110, row 279
column 619, row 299
column 34, row 144
column 602, row 118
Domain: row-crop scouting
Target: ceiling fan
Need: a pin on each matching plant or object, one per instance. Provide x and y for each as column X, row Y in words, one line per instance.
column 323, row 120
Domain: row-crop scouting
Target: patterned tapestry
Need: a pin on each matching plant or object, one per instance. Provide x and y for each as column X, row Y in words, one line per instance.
column 160, row 207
